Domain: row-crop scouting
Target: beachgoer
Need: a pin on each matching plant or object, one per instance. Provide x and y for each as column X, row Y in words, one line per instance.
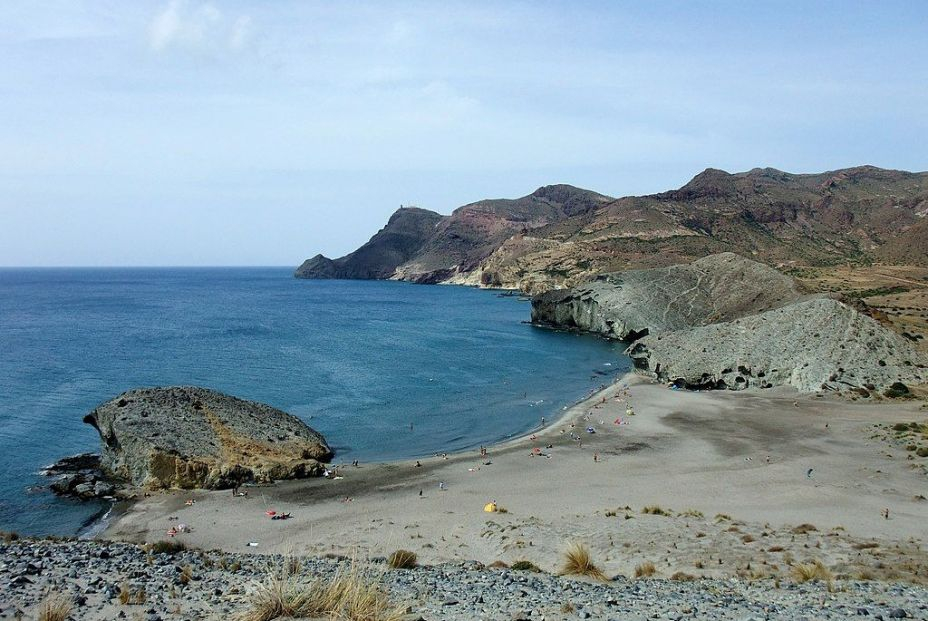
column 885, row 513
column 441, row 485
column 595, row 457
column 418, row 465
column 809, row 473
column 420, row 493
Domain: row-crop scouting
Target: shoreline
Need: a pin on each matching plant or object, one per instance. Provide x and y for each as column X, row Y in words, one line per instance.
column 692, row 454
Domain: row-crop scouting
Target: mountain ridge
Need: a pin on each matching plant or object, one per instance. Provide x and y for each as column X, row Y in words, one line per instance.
column 560, row 235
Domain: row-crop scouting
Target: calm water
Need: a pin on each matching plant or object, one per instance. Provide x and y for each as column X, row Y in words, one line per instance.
column 359, row 361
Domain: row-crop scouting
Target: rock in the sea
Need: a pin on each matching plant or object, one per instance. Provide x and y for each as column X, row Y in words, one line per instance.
column 817, row 344
column 627, row 305
column 191, row 437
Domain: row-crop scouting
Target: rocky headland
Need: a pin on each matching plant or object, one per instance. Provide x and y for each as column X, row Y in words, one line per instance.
column 728, row 322
column 560, row 235
column 626, row 305
column 190, row 437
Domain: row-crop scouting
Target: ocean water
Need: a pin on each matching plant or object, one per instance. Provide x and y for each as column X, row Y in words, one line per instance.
column 359, row 361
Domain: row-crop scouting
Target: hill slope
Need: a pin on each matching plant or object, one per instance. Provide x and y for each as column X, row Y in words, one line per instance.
column 560, row 235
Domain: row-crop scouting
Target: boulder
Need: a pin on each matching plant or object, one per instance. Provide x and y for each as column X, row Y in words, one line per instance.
column 192, row 437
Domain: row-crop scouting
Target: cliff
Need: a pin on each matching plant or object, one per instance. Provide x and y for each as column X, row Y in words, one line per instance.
column 812, row 345
column 627, row 305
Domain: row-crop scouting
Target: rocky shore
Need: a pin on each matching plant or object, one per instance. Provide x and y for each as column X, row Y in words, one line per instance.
column 727, row 322
column 125, row 581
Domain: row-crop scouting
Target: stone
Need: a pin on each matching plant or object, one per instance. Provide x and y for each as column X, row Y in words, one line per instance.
column 192, row 437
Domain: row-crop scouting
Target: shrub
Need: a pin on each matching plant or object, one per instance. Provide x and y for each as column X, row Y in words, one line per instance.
column 682, row 576
column 802, row 529
column 656, row 510
column 922, row 452
column 8, row 536
column 498, row 565
column 814, row 571
column 747, row 539
column 167, row 547
column 349, row 595
column 645, row 570
column 579, row 562
column 186, row 574
column 693, row 513
column 896, row 390
column 402, row 559
column 525, row 565
column 55, row 607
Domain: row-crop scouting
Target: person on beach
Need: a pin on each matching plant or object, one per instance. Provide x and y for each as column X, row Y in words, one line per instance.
column 809, row 473
column 441, row 486
column 595, row 457
column 418, row 465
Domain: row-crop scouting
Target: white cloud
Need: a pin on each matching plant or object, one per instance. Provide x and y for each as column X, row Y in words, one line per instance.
column 197, row 26
column 241, row 29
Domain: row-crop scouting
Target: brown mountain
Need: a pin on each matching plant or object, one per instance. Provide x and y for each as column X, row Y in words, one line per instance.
column 560, row 235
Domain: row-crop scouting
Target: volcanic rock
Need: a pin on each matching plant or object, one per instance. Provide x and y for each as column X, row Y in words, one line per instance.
column 189, row 437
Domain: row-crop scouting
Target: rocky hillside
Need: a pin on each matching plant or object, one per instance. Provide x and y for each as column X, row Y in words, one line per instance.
column 812, row 345
column 627, row 305
column 104, row 581
column 425, row 247
column 559, row 236
column 728, row 322
column 185, row 436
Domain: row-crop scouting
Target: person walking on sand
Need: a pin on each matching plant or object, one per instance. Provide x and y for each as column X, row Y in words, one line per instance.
column 441, row 486
column 595, row 457
column 809, row 473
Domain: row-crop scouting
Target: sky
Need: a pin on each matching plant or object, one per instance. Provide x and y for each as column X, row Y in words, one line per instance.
column 189, row 132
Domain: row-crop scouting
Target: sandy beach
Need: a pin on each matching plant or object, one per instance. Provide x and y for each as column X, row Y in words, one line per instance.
column 736, row 472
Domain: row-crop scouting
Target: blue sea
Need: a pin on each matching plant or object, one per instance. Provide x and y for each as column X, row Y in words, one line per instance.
column 357, row 360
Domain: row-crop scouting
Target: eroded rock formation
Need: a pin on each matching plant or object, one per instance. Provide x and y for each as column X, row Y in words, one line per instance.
column 190, row 437
column 626, row 305
column 812, row 345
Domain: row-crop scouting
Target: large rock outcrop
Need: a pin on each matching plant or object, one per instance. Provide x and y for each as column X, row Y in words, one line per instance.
column 397, row 242
column 190, row 437
column 817, row 344
column 627, row 305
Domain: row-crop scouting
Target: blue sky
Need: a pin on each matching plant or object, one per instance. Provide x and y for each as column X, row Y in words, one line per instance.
column 259, row 133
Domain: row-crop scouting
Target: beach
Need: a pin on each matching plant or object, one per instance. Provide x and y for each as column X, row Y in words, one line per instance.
column 732, row 473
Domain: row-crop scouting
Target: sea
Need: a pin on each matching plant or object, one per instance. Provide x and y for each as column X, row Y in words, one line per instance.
column 385, row 370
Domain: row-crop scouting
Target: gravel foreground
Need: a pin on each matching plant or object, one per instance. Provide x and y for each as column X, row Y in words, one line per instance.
column 199, row 585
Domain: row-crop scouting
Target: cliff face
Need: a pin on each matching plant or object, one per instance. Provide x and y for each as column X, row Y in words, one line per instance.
column 729, row 322
column 402, row 237
column 559, row 236
column 189, row 437
column 629, row 304
column 812, row 345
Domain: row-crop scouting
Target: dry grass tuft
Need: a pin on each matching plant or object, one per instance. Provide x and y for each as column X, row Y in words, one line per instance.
column 128, row 595
column 402, row 559
column 645, row 570
column 55, row 607
column 498, row 565
column 578, row 562
column 682, row 576
column 351, row 594
column 656, row 510
column 692, row 513
column 814, row 571
column 802, row 529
